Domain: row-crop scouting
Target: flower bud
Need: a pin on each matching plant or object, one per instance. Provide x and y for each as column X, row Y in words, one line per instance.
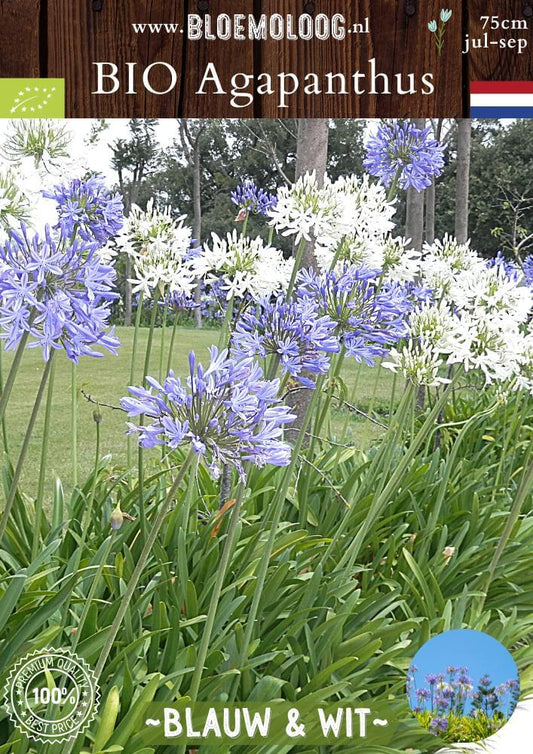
column 97, row 415
column 448, row 553
column 117, row 518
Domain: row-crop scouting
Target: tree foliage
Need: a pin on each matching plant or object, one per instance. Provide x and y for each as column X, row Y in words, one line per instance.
column 501, row 180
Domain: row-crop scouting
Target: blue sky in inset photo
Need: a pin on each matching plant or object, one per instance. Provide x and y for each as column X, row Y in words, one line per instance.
column 480, row 653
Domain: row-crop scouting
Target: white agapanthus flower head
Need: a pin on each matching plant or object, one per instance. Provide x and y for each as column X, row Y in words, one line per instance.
column 490, row 292
column 35, row 156
column 308, row 211
column 400, row 263
column 458, row 255
column 444, row 261
column 524, row 379
column 160, row 248
column 418, row 361
column 435, row 324
column 366, row 210
column 477, row 319
column 352, row 250
column 346, row 219
column 14, row 206
column 244, row 266
column 492, row 347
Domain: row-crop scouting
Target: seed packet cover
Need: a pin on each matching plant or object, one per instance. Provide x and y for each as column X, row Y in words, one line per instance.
column 266, row 286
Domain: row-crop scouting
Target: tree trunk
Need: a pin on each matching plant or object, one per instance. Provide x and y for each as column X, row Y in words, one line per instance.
column 414, row 218
column 311, row 155
column 464, row 134
column 430, row 213
column 132, row 196
column 431, row 194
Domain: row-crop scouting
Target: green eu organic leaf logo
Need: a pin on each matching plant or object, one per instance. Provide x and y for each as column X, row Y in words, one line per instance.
column 32, row 98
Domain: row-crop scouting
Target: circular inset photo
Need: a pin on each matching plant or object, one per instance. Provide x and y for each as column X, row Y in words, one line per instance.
column 463, row 686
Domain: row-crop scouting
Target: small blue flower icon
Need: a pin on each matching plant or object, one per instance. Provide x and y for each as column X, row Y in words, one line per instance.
column 438, row 31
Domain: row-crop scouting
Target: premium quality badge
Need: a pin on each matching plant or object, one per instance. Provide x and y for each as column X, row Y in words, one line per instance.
column 51, row 695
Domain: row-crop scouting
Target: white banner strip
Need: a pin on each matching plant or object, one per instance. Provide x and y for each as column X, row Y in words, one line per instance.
column 501, row 100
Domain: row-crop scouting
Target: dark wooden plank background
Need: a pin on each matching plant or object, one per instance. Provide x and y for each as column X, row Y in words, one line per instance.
column 20, row 38
column 61, row 38
column 494, row 63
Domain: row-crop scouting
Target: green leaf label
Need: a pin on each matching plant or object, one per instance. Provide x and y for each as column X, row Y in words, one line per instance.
column 32, row 98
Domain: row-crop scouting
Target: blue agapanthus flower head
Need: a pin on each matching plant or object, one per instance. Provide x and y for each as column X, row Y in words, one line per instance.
column 87, row 208
column 527, row 269
column 438, row 725
column 57, row 291
column 228, row 413
column 249, row 197
column 369, row 318
column 511, row 269
column 295, row 332
column 403, row 153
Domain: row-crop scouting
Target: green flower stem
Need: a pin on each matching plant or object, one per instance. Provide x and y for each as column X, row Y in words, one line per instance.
column 515, row 426
column 74, row 423
column 393, row 189
column 393, row 394
column 92, row 591
column 153, row 319
column 163, row 337
column 42, row 469
column 273, row 367
column 215, row 596
column 331, row 390
column 514, row 514
column 10, row 381
column 224, row 336
column 140, row 452
column 189, row 497
column 353, row 396
column 272, row 527
column 341, row 248
column 424, row 544
column 297, row 264
column 375, row 389
column 25, row 444
column 138, row 315
column 304, row 496
column 3, row 422
column 141, row 563
column 88, row 510
column 172, row 342
column 381, row 460
column 169, row 361
column 385, row 456
column 383, row 498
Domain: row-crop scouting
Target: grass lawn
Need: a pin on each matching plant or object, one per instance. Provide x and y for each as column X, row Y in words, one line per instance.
column 106, row 380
